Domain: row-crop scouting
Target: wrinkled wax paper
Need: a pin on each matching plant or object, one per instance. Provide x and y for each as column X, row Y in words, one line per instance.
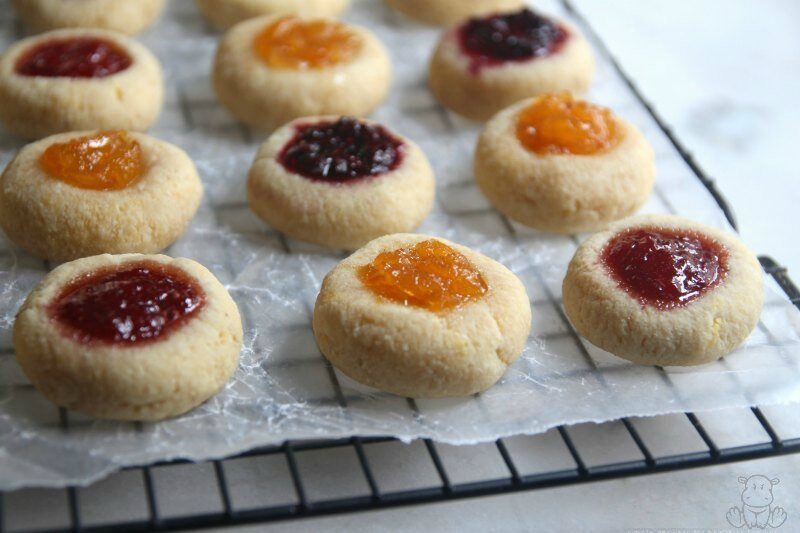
column 283, row 388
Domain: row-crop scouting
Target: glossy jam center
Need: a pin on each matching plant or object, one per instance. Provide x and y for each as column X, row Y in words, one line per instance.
column 296, row 44
column 559, row 124
column 340, row 151
column 430, row 275
column 665, row 268
column 80, row 57
column 520, row 36
column 107, row 161
column 131, row 304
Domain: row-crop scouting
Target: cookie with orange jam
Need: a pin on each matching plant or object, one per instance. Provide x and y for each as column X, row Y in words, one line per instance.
column 86, row 193
column 563, row 165
column 664, row 290
column 125, row 16
column 340, row 182
column 226, row 13
column 75, row 80
column 128, row 337
column 271, row 70
column 422, row 317
column 488, row 63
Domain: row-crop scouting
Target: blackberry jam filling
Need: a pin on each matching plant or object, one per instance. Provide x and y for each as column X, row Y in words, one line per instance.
column 81, row 57
column 127, row 305
column 665, row 268
column 519, row 36
column 341, row 151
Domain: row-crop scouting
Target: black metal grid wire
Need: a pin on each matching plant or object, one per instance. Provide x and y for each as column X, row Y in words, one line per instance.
column 445, row 489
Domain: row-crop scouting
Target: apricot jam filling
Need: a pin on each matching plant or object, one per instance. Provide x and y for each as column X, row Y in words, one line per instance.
column 342, row 150
column 494, row 40
column 559, row 124
column 77, row 57
column 665, row 268
column 296, row 44
column 106, row 161
column 430, row 275
column 129, row 304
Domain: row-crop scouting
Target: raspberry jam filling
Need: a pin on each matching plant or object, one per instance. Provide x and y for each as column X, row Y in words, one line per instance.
column 106, row 161
column 665, row 268
column 78, row 57
column 558, row 124
column 494, row 40
column 341, row 151
column 127, row 305
column 430, row 275
column 296, row 44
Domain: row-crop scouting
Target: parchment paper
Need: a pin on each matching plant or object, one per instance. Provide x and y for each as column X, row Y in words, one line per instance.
column 283, row 388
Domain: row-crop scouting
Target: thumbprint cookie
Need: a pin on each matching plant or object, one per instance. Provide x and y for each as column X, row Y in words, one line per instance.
column 271, row 70
column 563, row 165
column 79, row 194
column 227, row 13
column 422, row 317
column 73, row 80
column 448, row 12
column 340, row 182
column 125, row 16
column 663, row 290
column 486, row 64
column 128, row 337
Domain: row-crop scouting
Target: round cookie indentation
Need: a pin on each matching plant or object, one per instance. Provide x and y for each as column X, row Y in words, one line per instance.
column 79, row 57
column 104, row 161
column 340, row 182
column 98, row 201
column 430, row 275
column 665, row 268
column 81, row 360
column 296, row 44
column 410, row 350
column 557, row 191
column 501, row 38
column 342, row 150
column 704, row 298
column 127, row 305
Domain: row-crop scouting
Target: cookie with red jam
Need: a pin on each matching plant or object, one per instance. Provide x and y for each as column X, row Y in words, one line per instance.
column 128, row 337
column 559, row 164
column 663, row 290
column 422, row 317
column 273, row 69
column 340, row 182
column 76, row 80
column 488, row 63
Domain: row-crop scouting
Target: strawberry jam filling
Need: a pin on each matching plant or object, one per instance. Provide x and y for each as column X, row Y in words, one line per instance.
column 494, row 40
column 665, row 268
column 342, row 150
column 127, row 305
column 78, row 57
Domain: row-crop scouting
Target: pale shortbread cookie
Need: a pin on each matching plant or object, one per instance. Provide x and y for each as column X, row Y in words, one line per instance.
column 417, row 353
column 447, row 12
column 562, row 193
column 125, row 16
column 701, row 331
column 54, row 220
column 37, row 106
column 158, row 379
column 267, row 98
column 479, row 95
column 226, row 13
column 339, row 215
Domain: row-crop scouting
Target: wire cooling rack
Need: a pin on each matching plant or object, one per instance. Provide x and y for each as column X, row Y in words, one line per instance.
column 299, row 479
